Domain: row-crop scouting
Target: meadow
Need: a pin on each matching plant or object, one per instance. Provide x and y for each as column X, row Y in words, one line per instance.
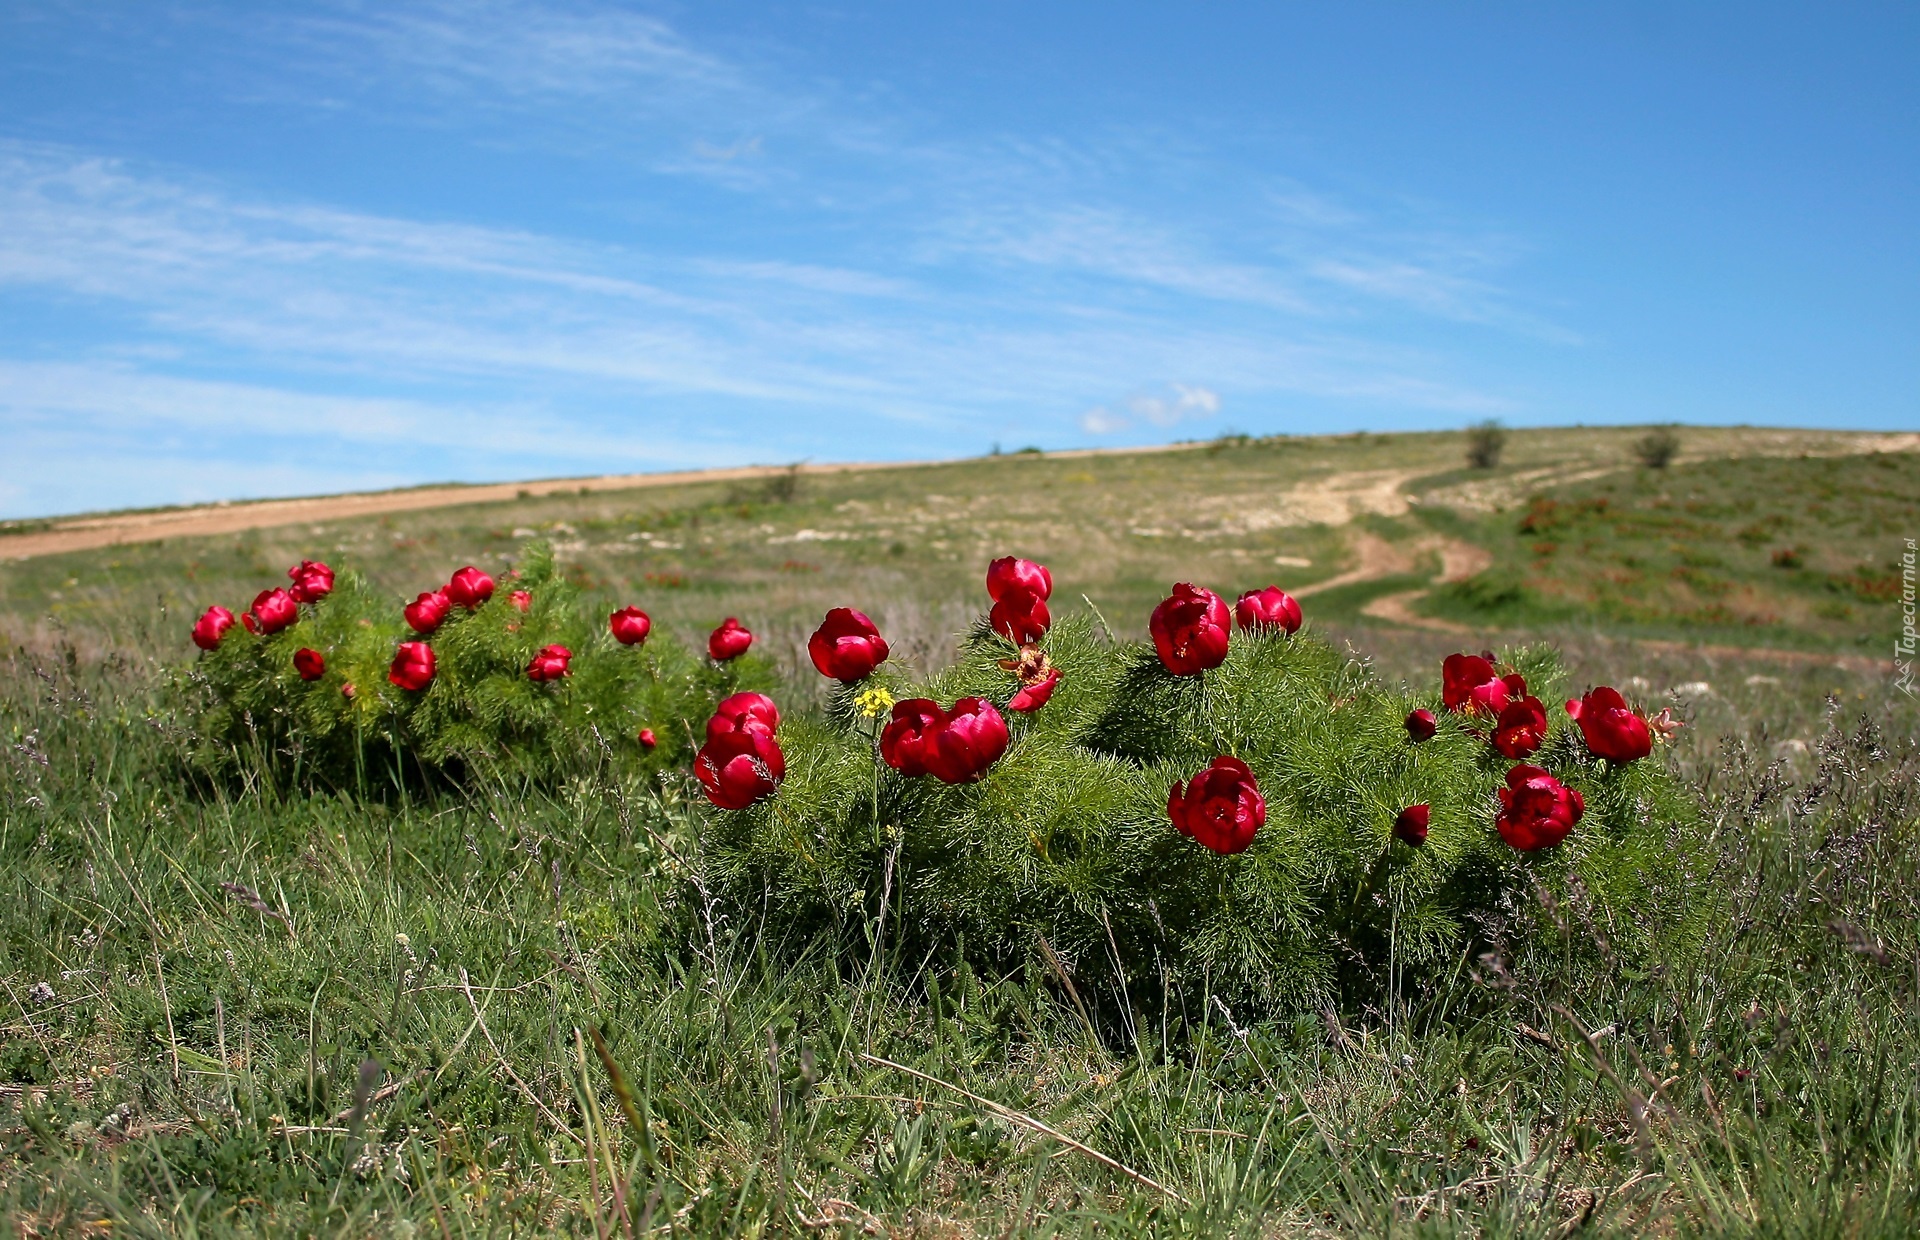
column 511, row 1002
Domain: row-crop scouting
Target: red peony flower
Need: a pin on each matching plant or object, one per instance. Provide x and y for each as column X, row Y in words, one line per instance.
column 630, row 626
column 1221, row 807
column 1521, row 729
column 1410, row 824
column 1009, row 578
column 729, row 641
column 971, row 739
column 469, row 588
column 647, row 739
column 1470, row 683
column 312, row 581
column 211, row 627
column 1271, row 608
column 1032, row 697
column 1021, row 619
column 412, row 666
column 272, row 611
column 1611, row 729
column 426, row 613
column 1421, row 725
column 847, row 646
column 549, row 664
column 311, row 664
column 1537, row 810
column 520, row 599
column 908, row 736
column 738, row 768
column 1190, row 630
column 744, row 712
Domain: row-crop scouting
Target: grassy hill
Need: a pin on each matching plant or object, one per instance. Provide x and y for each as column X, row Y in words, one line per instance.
column 255, row 1007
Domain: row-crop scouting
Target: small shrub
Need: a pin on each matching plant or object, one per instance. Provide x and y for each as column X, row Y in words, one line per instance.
column 1787, row 557
column 1485, row 442
column 1657, row 448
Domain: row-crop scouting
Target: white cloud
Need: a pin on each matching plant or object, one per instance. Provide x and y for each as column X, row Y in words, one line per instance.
column 1166, row 408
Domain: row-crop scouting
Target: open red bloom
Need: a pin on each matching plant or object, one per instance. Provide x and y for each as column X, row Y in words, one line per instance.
column 1611, row 728
column 744, row 712
column 905, row 740
column 311, row 664
column 847, row 646
column 1421, row 725
column 1410, row 824
column 412, row 667
column 1190, row 630
column 520, row 599
column 469, row 588
column 1221, row 807
column 211, row 627
column 1521, row 729
column 1021, row 619
column 1470, row 683
column 629, row 626
column 971, row 739
column 312, row 581
column 550, row 663
column 1271, row 608
column 729, row 641
column 1537, row 810
column 739, row 768
column 1032, row 697
column 272, row 611
column 427, row 612
column 1009, row 578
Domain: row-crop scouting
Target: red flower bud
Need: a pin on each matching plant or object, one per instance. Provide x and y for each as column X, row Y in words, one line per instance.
column 211, row 627
column 1610, row 727
column 1469, row 682
column 846, row 646
column 549, row 664
column 1521, row 729
column 1271, row 608
column 425, row 614
column 272, row 611
column 971, row 739
column 311, row 664
column 1421, row 725
column 1537, row 810
column 1010, row 579
column 647, row 738
column 520, row 599
column 1410, row 824
column 412, row 667
column 744, row 712
column 729, row 641
column 1021, row 619
column 1190, row 630
column 739, row 768
column 905, row 740
column 312, row 581
column 469, row 588
column 1220, row 808
column 1033, row 697
column 346, row 691
column 630, row 626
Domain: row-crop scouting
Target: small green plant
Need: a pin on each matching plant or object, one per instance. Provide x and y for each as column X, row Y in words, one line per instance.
column 1485, row 442
column 1657, row 448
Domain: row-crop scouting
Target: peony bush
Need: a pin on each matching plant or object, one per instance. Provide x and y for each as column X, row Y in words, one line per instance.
column 1231, row 807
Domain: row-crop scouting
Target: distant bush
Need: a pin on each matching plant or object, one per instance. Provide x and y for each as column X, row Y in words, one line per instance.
column 1657, row 448
column 1485, row 442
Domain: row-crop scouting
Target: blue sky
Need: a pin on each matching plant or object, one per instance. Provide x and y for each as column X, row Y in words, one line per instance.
column 253, row 250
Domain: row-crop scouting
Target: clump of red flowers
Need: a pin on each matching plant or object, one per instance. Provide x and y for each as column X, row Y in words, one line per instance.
column 1019, row 589
column 1220, row 808
column 312, row 581
column 847, row 646
column 1470, row 683
column 1190, row 630
column 955, row 746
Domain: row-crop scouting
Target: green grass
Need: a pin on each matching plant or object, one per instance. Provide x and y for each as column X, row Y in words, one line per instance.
column 197, row 1068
